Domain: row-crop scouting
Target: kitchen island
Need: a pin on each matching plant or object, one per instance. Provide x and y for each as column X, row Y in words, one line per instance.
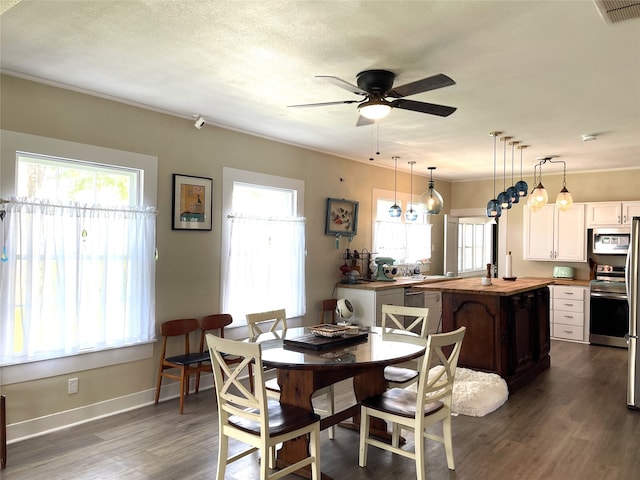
column 507, row 325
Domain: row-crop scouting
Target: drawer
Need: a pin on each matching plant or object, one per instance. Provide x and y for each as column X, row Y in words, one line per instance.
column 568, row 318
column 569, row 332
column 571, row 293
column 568, row 305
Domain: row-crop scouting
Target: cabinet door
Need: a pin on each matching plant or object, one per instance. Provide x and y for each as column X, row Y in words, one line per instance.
column 538, row 234
column 393, row 296
column 571, row 235
column 601, row 214
column 433, row 301
column 630, row 210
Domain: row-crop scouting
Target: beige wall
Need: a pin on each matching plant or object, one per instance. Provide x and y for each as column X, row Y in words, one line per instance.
column 188, row 268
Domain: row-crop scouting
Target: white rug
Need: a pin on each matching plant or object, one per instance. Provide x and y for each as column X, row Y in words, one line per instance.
column 475, row 393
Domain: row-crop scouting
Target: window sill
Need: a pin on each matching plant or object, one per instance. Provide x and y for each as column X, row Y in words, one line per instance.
column 26, row 372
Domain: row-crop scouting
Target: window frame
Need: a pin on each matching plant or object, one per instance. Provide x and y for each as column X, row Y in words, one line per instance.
column 13, row 142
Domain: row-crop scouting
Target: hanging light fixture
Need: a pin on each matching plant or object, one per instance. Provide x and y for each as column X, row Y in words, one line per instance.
column 375, row 108
column 540, row 195
column 494, row 210
column 521, row 185
column 431, row 200
column 564, row 200
column 512, row 191
column 411, row 215
column 503, row 197
column 395, row 211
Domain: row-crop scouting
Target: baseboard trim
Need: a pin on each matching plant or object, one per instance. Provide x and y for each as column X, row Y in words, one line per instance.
column 35, row 427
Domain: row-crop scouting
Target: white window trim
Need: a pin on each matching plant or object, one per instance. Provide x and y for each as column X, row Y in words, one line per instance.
column 229, row 177
column 12, row 142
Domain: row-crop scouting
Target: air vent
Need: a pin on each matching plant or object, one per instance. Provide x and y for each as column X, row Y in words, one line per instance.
column 614, row 11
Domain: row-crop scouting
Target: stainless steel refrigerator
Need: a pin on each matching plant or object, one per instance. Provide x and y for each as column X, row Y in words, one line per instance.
column 632, row 281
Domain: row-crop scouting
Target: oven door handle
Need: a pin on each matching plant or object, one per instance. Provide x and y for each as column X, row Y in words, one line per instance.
column 614, row 296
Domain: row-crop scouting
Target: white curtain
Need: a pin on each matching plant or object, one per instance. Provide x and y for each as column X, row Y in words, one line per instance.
column 266, row 267
column 75, row 278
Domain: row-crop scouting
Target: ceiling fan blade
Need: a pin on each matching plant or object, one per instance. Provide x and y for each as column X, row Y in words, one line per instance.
column 432, row 108
column 362, row 121
column 324, row 104
column 419, row 86
column 338, row 82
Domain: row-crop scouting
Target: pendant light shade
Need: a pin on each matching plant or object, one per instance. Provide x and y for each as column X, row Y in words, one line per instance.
column 431, row 200
column 540, row 197
column 494, row 210
column 521, row 185
column 411, row 215
column 503, row 197
column 564, row 200
column 395, row 211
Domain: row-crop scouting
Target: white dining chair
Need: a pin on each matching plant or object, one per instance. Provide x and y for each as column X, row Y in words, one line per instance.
column 415, row 411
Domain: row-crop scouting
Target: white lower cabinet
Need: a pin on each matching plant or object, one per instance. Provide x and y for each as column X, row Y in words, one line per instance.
column 433, row 301
column 367, row 304
column 569, row 313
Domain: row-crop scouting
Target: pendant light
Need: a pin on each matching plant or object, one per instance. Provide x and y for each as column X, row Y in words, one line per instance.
column 431, row 200
column 503, row 197
column 411, row 215
column 395, row 211
column 531, row 201
column 494, row 210
column 521, row 185
column 540, row 195
column 564, row 200
column 512, row 191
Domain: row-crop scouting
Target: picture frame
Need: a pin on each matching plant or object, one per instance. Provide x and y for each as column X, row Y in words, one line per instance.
column 192, row 203
column 342, row 217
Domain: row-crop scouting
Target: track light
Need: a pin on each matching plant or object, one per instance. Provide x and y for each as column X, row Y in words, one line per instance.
column 200, row 122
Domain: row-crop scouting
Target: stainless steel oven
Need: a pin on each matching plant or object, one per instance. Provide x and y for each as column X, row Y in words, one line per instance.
column 609, row 309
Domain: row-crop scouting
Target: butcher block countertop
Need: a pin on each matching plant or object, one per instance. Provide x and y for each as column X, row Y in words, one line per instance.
column 398, row 282
column 498, row 287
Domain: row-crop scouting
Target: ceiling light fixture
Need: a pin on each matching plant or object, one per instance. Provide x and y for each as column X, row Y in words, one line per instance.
column 375, row 108
column 494, row 210
column 521, row 185
column 395, row 211
column 503, row 197
column 411, row 215
column 512, row 191
column 431, row 200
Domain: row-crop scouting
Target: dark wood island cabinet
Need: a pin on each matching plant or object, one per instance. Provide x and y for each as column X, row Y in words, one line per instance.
column 507, row 325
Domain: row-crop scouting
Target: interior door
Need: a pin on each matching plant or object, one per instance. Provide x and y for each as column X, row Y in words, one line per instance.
column 451, row 244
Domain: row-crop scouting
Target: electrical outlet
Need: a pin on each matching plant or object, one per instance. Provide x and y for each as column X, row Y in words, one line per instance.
column 72, row 386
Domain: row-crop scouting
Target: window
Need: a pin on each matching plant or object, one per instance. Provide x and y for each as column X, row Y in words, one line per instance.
column 405, row 242
column 263, row 260
column 474, row 244
column 78, row 270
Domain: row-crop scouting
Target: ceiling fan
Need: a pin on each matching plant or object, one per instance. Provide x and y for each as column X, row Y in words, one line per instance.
column 376, row 86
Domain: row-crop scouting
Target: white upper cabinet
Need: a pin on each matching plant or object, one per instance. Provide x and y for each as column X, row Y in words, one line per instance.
column 611, row 214
column 553, row 235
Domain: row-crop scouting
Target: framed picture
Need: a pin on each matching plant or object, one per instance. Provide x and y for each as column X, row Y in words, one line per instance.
column 192, row 202
column 342, row 217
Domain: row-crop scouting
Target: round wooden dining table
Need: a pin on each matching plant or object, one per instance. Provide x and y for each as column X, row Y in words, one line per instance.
column 305, row 364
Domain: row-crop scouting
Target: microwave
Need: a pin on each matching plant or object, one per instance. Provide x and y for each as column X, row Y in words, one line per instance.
column 611, row 241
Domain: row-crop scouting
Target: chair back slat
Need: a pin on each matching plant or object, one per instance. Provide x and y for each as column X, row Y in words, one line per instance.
column 233, row 397
column 391, row 320
column 279, row 318
column 438, row 370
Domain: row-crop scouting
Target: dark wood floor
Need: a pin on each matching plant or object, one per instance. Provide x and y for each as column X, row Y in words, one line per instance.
column 570, row 423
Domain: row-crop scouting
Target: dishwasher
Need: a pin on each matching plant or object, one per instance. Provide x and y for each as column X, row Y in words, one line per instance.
column 413, row 297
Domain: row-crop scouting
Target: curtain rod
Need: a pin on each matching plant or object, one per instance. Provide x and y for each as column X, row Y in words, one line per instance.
column 80, row 207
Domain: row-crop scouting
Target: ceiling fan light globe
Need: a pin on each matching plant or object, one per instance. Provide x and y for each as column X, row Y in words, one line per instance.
column 374, row 109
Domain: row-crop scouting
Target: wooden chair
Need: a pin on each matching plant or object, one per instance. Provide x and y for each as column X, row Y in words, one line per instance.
column 251, row 417
column 415, row 411
column 400, row 376
column 328, row 305
column 279, row 317
column 187, row 363
column 209, row 324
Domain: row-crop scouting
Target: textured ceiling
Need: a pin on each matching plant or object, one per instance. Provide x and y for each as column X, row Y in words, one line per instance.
column 544, row 72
